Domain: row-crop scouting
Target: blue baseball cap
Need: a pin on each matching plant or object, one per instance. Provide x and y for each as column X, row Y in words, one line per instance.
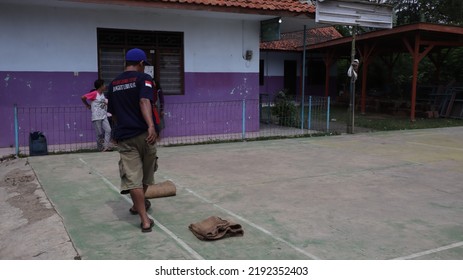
column 136, row 55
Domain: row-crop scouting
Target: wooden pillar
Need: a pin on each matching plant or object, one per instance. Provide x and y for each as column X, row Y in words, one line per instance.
column 416, row 62
column 417, row 57
column 366, row 53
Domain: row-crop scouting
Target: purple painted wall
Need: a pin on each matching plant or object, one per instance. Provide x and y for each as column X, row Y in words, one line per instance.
column 272, row 85
column 206, row 87
column 213, row 104
column 64, row 118
column 38, row 89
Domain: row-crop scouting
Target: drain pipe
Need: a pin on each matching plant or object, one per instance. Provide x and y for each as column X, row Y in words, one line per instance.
column 303, row 79
column 16, row 131
column 243, row 117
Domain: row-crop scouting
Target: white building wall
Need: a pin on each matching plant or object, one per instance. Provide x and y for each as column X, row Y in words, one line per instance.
column 64, row 39
column 224, row 50
column 49, row 57
column 274, row 62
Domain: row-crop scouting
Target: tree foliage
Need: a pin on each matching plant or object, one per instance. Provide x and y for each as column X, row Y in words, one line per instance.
column 412, row 11
column 432, row 11
column 449, row 12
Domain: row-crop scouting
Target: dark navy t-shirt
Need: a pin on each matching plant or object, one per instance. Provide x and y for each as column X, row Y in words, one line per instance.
column 124, row 94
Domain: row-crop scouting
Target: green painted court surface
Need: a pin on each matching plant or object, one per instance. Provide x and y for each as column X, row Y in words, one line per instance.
column 363, row 196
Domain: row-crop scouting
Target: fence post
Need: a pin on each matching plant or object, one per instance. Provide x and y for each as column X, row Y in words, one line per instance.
column 309, row 115
column 268, row 109
column 328, row 115
column 243, row 133
column 302, row 114
column 16, row 130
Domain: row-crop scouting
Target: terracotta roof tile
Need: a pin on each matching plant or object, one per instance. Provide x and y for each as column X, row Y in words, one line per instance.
column 293, row 41
column 298, row 6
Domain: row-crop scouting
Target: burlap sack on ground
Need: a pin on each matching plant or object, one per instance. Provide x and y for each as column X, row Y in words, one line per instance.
column 214, row 228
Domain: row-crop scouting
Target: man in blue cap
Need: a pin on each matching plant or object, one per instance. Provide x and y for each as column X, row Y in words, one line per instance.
column 130, row 96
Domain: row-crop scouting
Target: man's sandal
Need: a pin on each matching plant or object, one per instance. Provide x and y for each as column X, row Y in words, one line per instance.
column 148, row 229
column 147, row 206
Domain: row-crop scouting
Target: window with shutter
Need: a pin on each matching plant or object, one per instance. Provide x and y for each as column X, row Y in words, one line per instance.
column 164, row 50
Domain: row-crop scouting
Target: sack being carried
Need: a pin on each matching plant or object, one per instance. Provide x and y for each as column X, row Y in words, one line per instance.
column 163, row 189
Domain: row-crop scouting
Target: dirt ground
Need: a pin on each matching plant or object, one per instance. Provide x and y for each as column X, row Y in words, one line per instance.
column 26, row 211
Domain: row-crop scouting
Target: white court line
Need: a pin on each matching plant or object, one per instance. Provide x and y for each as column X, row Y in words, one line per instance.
column 252, row 224
column 157, row 223
column 436, row 146
column 432, row 251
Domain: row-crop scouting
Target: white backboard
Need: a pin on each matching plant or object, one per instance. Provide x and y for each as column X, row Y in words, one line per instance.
column 355, row 13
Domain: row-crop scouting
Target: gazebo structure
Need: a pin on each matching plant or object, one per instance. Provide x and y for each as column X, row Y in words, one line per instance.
column 420, row 40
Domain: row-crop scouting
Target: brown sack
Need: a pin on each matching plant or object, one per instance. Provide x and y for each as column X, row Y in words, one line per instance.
column 163, row 189
column 214, row 228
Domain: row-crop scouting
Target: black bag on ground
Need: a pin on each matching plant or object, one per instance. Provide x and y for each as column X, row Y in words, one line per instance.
column 37, row 144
